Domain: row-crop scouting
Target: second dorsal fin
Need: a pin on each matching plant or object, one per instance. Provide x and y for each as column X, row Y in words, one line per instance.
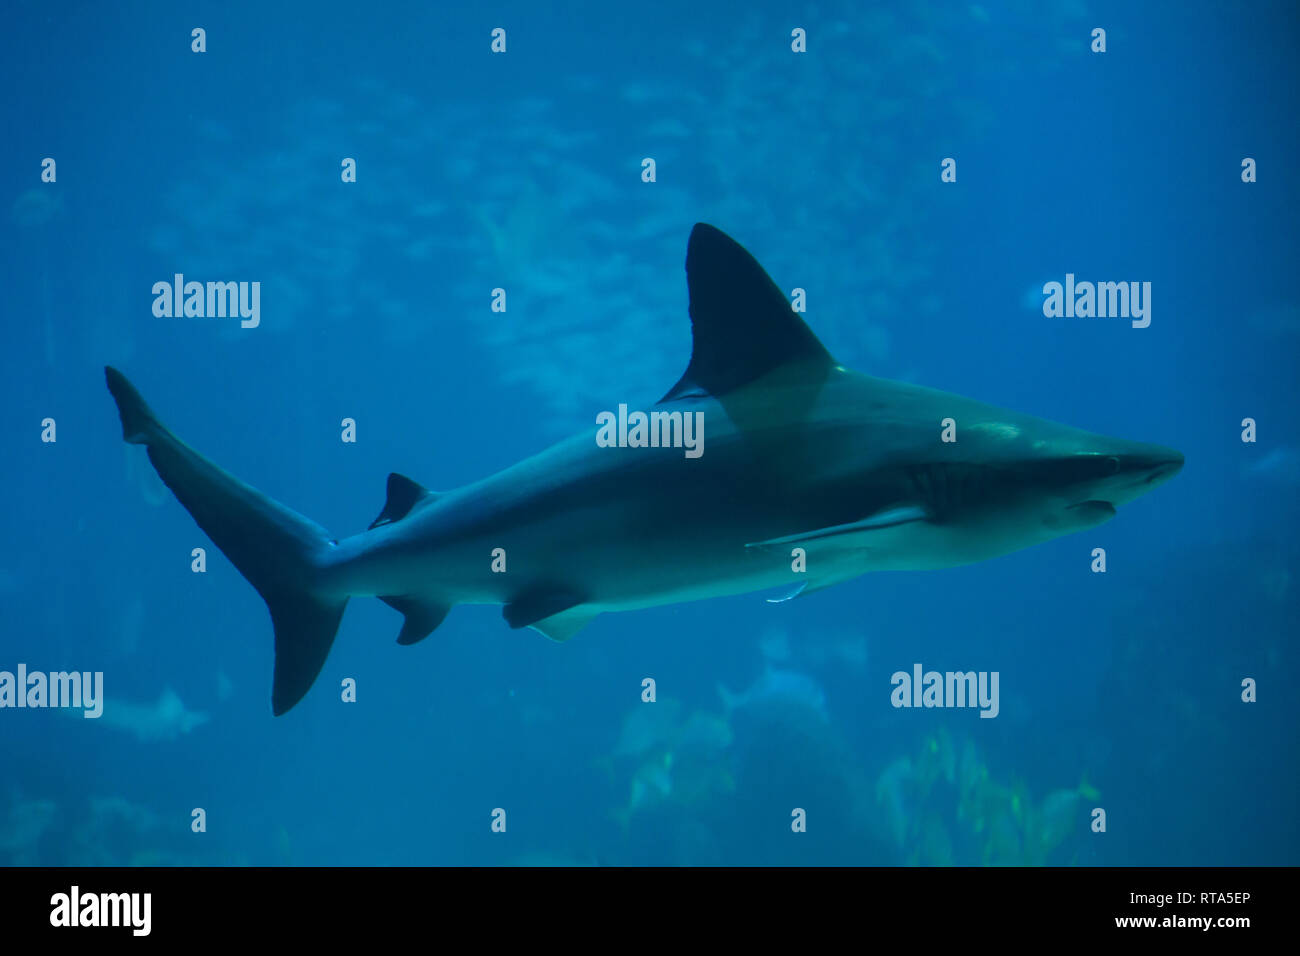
column 403, row 495
column 741, row 323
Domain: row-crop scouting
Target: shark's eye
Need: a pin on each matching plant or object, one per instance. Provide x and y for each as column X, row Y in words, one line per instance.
column 1114, row 464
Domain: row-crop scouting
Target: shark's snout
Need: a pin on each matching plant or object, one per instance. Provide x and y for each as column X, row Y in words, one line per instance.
column 1112, row 473
column 1135, row 471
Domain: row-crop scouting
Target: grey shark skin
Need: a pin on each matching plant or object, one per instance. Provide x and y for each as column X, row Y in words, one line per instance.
column 799, row 453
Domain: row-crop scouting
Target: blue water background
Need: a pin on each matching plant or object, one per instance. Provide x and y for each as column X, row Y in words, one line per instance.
column 1118, row 690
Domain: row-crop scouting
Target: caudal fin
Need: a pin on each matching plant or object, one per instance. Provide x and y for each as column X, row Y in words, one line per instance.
column 276, row 549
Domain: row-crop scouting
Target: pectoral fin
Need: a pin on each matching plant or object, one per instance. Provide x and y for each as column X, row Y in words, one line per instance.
column 801, row 590
column 845, row 534
column 790, row 594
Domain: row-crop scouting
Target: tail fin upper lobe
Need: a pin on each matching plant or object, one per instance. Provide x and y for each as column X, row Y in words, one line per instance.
column 276, row 549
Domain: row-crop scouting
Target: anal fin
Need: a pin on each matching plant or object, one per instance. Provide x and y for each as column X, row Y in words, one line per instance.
column 422, row 616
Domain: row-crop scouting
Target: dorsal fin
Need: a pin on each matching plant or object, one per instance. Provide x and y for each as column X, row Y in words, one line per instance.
column 403, row 495
column 741, row 322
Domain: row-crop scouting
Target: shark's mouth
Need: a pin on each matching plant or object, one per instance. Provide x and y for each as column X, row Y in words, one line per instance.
column 1094, row 510
column 1164, row 471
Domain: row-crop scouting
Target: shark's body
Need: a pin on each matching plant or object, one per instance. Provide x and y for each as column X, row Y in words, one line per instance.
column 805, row 464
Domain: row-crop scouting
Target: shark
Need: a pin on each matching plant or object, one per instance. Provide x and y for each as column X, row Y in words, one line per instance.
column 813, row 474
